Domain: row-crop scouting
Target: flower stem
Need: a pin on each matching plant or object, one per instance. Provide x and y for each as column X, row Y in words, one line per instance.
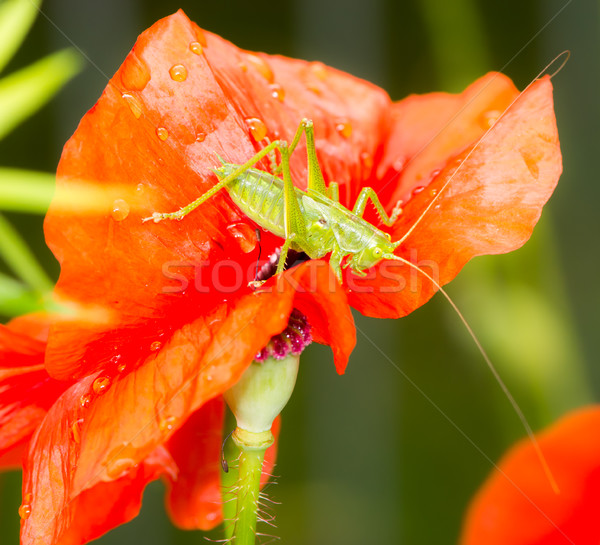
column 253, row 447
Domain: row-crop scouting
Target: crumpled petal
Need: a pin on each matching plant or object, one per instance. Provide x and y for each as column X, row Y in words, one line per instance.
column 26, row 389
column 495, row 191
column 83, row 441
column 518, row 506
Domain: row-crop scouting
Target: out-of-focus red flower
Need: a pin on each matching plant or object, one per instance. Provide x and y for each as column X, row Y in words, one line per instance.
column 160, row 319
column 517, row 504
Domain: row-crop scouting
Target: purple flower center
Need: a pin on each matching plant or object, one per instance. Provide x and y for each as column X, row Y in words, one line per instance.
column 292, row 340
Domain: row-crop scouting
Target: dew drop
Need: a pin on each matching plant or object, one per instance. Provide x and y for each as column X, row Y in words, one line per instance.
column 120, row 466
column 314, row 89
column 211, row 515
column 155, row 346
column 399, row 164
column 209, row 378
column 101, row 385
column 178, row 72
column 166, row 424
column 418, row 189
column 200, row 137
column 433, row 192
column 319, row 70
column 84, row 401
column 244, row 235
column 366, row 159
column 162, row 133
column 196, row 48
column 120, row 210
column 261, row 66
column 435, row 173
column 344, row 128
column 25, row 511
column 134, row 105
column 76, row 430
column 277, row 91
column 258, row 129
column 489, row 118
column 121, row 367
column 140, row 188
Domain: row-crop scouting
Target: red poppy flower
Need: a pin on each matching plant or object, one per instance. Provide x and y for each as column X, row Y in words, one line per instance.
column 517, row 504
column 160, row 319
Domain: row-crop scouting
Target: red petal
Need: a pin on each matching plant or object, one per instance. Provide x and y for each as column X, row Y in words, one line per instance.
column 102, row 438
column 518, row 506
column 493, row 201
column 118, row 271
column 26, row 390
column 194, row 497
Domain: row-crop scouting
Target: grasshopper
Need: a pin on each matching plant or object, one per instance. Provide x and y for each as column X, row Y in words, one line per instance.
column 311, row 221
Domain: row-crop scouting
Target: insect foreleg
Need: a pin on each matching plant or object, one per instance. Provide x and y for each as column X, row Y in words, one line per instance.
column 185, row 210
column 361, row 203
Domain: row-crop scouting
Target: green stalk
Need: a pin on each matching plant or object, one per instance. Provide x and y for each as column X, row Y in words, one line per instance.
column 253, row 447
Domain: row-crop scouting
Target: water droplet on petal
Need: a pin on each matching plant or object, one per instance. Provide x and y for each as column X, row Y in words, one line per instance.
column 76, row 430
column 418, row 189
column 162, row 133
column 314, row 89
column 120, row 210
column 134, row 105
column 435, row 173
column 258, row 129
column 135, row 73
column 433, row 192
column 101, row 385
column 119, row 466
column 85, row 400
column 25, row 511
column 196, row 48
column 244, row 235
column 121, row 367
column 200, row 137
column 489, row 118
column 166, row 424
column 399, row 164
column 178, row 72
column 261, row 66
column 344, row 127
column 277, row 91
column 366, row 159
column 319, row 70
column 155, row 346
column 209, row 378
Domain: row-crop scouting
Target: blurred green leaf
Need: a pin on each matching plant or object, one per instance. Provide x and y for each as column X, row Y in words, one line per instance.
column 20, row 259
column 25, row 190
column 25, row 91
column 16, row 18
column 16, row 298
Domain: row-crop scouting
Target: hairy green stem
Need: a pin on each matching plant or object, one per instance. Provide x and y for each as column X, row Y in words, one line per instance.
column 253, row 447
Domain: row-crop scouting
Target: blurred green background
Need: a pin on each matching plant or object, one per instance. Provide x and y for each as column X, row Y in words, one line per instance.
column 392, row 451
